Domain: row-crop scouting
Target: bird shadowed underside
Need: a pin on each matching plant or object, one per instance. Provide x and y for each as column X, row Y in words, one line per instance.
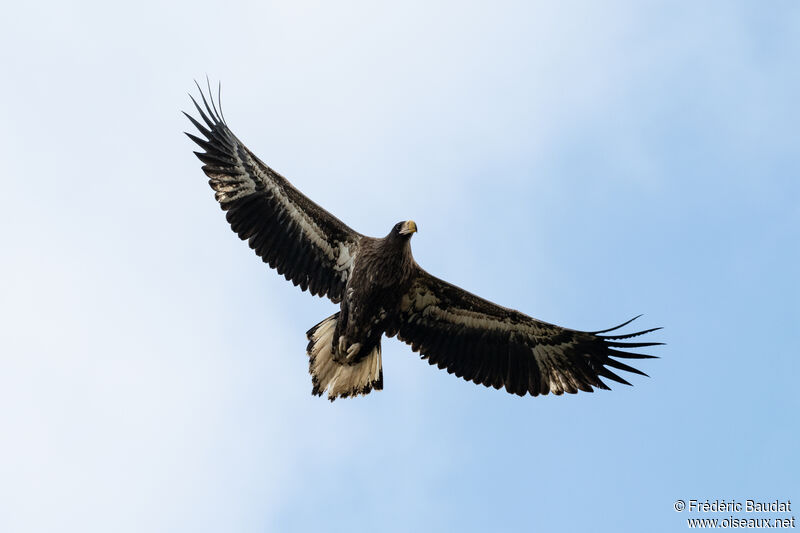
column 381, row 290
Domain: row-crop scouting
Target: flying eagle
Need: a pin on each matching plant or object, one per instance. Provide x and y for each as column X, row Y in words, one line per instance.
column 381, row 290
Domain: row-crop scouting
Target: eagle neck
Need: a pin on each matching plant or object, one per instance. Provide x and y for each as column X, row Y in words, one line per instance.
column 390, row 261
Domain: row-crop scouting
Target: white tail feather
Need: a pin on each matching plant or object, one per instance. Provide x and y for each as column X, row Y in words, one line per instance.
column 340, row 380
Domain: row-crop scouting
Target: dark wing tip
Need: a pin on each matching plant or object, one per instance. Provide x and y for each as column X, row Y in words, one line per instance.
column 630, row 355
column 606, row 373
column 630, row 335
column 611, row 346
column 212, row 114
column 212, row 108
column 202, row 143
column 622, row 366
column 615, row 327
column 615, row 344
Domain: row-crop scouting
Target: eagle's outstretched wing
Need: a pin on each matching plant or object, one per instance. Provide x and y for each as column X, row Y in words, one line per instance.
column 495, row 346
column 305, row 243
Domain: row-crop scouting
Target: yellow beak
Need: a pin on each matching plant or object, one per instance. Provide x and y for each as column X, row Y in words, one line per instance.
column 409, row 227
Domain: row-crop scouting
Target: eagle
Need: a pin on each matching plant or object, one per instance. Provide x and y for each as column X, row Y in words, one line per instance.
column 381, row 290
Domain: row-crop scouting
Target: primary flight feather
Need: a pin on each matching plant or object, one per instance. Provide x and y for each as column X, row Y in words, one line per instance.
column 381, row 290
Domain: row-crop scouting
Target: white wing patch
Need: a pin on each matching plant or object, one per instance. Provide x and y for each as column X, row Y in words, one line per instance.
column 419, row 298
column 344, row 260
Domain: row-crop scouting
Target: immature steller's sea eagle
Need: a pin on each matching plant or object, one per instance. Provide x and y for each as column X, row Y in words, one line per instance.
column 381, row 290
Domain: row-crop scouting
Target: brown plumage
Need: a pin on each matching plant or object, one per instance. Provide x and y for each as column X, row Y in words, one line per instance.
column 381, row 290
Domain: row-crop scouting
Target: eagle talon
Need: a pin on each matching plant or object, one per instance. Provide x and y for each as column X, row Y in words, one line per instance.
column 353, row 350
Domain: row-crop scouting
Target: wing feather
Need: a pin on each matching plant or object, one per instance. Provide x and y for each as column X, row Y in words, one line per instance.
column 500, row 347
column 301, row 240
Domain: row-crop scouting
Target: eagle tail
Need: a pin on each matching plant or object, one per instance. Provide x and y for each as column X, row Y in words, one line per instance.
column 341, row 380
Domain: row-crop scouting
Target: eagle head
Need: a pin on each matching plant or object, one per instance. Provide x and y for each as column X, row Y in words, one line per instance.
column 405, row 229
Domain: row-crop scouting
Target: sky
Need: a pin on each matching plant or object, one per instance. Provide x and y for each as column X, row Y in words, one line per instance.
column 582, row 162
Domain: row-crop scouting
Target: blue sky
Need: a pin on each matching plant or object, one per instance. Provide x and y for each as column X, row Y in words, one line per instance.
column 581, row 163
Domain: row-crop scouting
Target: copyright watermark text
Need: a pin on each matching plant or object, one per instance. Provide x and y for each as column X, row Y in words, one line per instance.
column 751, row 513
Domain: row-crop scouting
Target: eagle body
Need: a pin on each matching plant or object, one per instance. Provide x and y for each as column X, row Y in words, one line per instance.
column 381, row 290
column 382, row 274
